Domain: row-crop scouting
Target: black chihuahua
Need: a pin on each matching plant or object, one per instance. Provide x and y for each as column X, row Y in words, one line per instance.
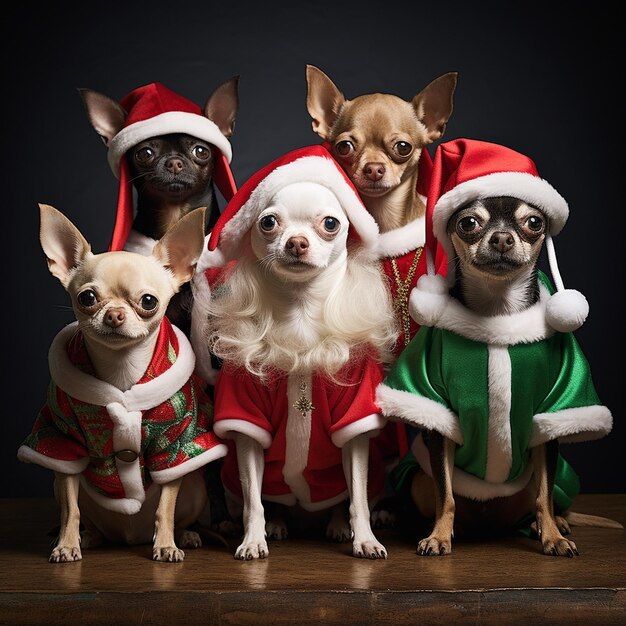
column 173, row 152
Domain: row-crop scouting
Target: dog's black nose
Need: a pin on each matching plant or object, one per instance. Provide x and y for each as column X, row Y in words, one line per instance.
column 374, row 171
column 297, row 245
column 174, row 165
column 502, row 241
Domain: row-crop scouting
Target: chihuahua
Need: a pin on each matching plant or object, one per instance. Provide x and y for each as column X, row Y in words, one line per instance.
column 378, row 139
column 497, row 299
column 127, row 426
column 302, row 341
column 172, row 172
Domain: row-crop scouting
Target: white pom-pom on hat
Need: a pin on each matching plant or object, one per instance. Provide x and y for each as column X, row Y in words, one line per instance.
column 428, row 299
column 567, row 309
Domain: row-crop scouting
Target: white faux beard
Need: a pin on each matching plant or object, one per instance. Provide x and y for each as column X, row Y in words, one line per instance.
column 319, row 325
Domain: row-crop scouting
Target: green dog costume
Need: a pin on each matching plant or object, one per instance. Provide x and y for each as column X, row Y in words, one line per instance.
column 497, row 386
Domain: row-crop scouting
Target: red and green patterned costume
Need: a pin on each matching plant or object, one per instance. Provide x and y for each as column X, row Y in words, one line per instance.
column 123, row 442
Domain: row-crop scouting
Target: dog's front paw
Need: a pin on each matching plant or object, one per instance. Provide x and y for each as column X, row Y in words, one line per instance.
column 382, row 518
column 252, row 549
column 370, row 549
column 338, row 530
column 65, row 554
column 169, row 554
column 189, row 539
column 434, row 546
column 276, row 529
column 559, row 547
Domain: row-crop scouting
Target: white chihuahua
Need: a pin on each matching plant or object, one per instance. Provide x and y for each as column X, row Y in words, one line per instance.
column 127, row 425
column 303, row 325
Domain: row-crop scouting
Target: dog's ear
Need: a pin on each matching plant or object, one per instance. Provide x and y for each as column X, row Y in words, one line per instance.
column 222, row 105
column 433, row 105
column 323, row 101
column 63, row 244
column 106, row 116
column 181, row 246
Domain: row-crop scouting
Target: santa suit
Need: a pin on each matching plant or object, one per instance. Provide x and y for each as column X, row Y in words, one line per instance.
column 497, row 386
column 302, row 422
column 121, row 442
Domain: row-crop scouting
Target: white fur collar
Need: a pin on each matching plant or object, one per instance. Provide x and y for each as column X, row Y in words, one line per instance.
column 432, row 305
column 88, row 388
column 399, row 241
column 139, row 243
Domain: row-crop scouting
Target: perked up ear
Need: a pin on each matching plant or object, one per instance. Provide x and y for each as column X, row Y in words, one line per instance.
column 62, row 243
column 181, row 246
column 324, row 101
column 222, row 105
column 106, row 116
column 433, row 105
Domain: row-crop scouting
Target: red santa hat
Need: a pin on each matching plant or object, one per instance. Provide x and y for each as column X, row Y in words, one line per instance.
column 312, row 164
column 465, row 170
column 153, row 110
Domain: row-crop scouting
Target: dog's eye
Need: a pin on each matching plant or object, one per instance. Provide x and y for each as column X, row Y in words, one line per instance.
column 148, row 302
column 344, row 148
column 201, row 153
column 87, row 298
column 403, row 148
column 267, row 223
column 331, row 224
column 534, row 223
column 144, row 155
column 467, row 225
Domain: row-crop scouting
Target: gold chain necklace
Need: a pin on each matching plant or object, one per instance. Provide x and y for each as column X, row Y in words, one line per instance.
column 403, row 291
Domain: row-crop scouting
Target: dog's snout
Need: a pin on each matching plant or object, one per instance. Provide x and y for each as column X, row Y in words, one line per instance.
column 502, row 241
column 297, row 245
column 374, row 171
column 115, row 317
column 174, row 165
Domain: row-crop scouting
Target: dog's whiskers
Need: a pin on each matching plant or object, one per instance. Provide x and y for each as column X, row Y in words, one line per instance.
column 266, row 263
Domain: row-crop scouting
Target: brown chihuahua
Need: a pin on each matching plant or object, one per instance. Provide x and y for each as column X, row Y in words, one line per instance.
column 378, row 139
column 127, row 426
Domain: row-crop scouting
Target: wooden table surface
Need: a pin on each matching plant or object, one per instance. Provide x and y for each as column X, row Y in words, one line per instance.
column 311, row 581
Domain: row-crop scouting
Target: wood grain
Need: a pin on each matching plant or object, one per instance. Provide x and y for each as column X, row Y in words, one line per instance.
column 308, row 580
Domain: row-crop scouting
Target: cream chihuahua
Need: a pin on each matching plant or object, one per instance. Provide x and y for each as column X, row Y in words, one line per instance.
column 127, row 427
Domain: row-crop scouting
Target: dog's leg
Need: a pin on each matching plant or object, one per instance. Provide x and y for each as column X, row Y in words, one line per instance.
column 355, row 466
column 164, row 547
column 544, row 459
column 251, row 461
column 68, row 543
column 439, row 542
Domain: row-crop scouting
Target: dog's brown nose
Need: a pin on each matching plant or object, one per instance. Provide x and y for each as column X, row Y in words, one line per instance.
column 374, row 171
column 502, row 241
column 174, row 165
column 297, row 245
column 115, row 317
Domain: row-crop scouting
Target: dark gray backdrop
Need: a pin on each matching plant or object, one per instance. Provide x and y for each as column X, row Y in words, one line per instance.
column 546, row 83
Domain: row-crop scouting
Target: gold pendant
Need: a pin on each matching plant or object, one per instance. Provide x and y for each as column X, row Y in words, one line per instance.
column 303, row 404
